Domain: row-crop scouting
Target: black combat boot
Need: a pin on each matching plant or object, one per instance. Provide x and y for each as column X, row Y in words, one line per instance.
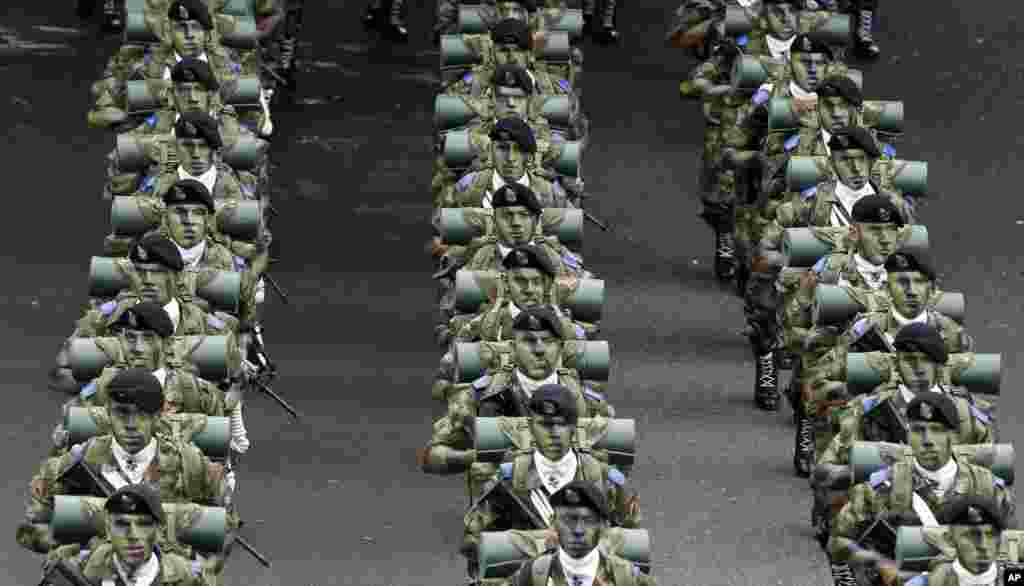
column 842, row 574
column 396, row 29
column 604, row 31
column 864, row 41
column 725, row 254
column 766, row 385
column 372, row 15
column 803, row 451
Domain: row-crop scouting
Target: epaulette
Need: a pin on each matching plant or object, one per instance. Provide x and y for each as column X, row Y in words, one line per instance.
column 564, row 84
column 151, row 121
column 888, row 150
column 810, row 191
column 879, row 477
column 197, row 568
column 465, row 182
column 506, row 470
column 108, row 307
column 149, row 183
column 820, row 265
column 791, row 142
column 589, row 392
column 742, row 40
column 869, row 403
column 88, row 390
column 616, row 477
column 918, row 580
column 214, row 322
column 980, row 415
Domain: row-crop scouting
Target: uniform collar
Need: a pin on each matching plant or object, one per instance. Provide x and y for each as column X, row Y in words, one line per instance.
column 847, row 198
column 173, row 309
column 208, row 179
column 142, row 460
column 144, row 576
column 585, row 568
column 922, row 318
column 555, row 475
column 944, row 477
column 777, row 47
column 193, row 255
column 529, row 385
column 966, row 578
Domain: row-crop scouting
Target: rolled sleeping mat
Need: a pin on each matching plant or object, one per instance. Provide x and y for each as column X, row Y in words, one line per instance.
column 243, row 93
column 616, row 437
column 458, row 150
column 557, row 48
column 471, row 21
column 591, row 358
column 501, row 553
column 803, row 248
column 474, row 288
column 835, row 31
column 223, row 289
column 239, row 8
column 136, row 31
column 999, row 458
column 737, row 22
column 566, row 224
column 803, row 172
column 469, row 364
column 866, row 458
column 128, row 219
column 834, row 305
column 568, row 162
column 87, row 358
column 107, row 277
column 131, row 154
column 456, row 53
column 558, row 111
column 867, row 370
column 145, row 95
column 952, row 305
column 884, row 116
column 781, row 115
column 914, row 551
column 213, row 439
column 247, row 152
column 243, row 36
column 451, row 112
column 910, row 177
column 586, row 300
column 242, row 220
column 748, row 73
column 73, row 522
column 211, row 355
column 135, row 6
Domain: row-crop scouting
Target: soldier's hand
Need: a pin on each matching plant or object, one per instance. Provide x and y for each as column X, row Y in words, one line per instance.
column 888, row 571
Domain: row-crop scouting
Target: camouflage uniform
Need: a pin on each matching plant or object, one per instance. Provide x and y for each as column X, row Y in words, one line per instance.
column 612, row 570
column 493, row 323
column 184, row 392
column 194, row 320
column 472, row 190
column 97, row 564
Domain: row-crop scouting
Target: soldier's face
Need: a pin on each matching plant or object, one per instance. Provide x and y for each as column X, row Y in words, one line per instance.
column 191, row 97
column 836, row 114
column 931, row 442
column 808, row 69
column 189, row 37
column 194, row 155
column 157, row 283
column 853, row 167
column 509, row 160
column 536, row 353
column 528, row 287
column 976, row 546
column 579, row 530
column 917, row 371
column 909, row 291
column 509, row 54
column 131, row 426
column 552, row 436
column 142, row 347
column 877, row 242
column 187, row 223
column 513, row 10
column 510, row 102
column 781, row 20
column 133, row 537
column 514, row 225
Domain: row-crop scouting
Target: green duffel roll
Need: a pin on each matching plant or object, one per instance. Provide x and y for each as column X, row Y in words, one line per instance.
column 244, row 93
column 500, row 553
column 911, row 177
column 748, row 73
column 222, row 289
column 866, row 458
column 568, row 162
column 242, row 220
column 243, row 36
column 833, row 305
column 87, row 358
column 591, row 358
column 737, row 21
column 836, row 31
column 980, row 373
column 135, row 6
column 131, row 158
column 863, row 373
column 586, row 303
column 983, row 374
column 558, row 111
column 80, row 425
column 915, row 552
column 246, row 153
column 459, row 226
column 884, row 116
column 456, row 53
column 781, row 115
column 127, row 218
column 458, row 150
column 211, row 356
column 136, row 31
column 566, row 224
column 804, row 172
column 917, row 241
column 145, row 95
column 106, row 277
column 471, row 22
column 474, row 288
column 73, row 523
column 469, row 365
column 557, row 48
column 493, row 438
column 451, row 112
column 952, row 305
column 570, row 23
column 239, row 8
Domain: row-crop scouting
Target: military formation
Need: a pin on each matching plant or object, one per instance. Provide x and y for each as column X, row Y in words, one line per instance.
column 139, row 485
column 818, row 228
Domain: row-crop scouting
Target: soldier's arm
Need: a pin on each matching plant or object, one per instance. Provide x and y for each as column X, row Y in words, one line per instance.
column 523, row 576
column 856, row 514
column 478, row 519
column 34, row 531
column 449, row 451
column 106, row 110
column 704, row 82
column 624, row 500
column 1007, row 503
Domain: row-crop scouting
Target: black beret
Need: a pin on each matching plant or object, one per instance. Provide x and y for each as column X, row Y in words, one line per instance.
column 139, row 387
column 931, row 406
column 189, row 191
column 135, row 499
column 513, row 76
column 553, row 401
column 840, row 86
column 973, row 510
column 512, row 195
column 911, row 262
column 876, row 209
column 916, row 337
column 582, row 493
column 855, row 138
column 516, row 130
column 191, row 69
column 190, row 10
column 809, row 44
column 529, row 257
column 198, row 125
column 147, row 315
column 157, row 249
column 513, row 32
column 538, row 319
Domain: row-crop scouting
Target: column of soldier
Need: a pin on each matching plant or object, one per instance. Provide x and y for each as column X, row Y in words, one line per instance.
column 139, row 486
column 522, row 379
column 817, row 223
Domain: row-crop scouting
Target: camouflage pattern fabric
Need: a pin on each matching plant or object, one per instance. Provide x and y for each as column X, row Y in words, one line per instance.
column 611, row 570
column 97, row 564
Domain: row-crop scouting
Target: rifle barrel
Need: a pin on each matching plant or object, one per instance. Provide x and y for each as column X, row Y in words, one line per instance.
column 252, row 551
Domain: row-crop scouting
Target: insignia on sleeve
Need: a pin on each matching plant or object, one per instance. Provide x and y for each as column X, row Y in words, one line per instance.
column 742, row 40
column 149, row 183
column 820, row 265
column 84, row 555
column 214, row 322
column 593, row 394
column 248, row 189
column 77, row 453
column 791, row 142
column 860, row 328
column 615, row 476
column 465, row 182
column 981, row 415
column 237, row 68
column 869, row 403
column 506, row 471
column 197, row 568
column 878, row 477
column 918, row 580
column 108, row 307
column 468, row 78
column 580, row 332
column 999, row 481
column 240, row 263
column 564, row 84
column 482, row 382
column 151, row 121
column 888, row 150
column 810, row 192
column 88, row 390
column 761, row 97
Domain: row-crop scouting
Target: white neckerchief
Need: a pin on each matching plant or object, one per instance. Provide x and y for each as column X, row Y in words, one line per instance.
column 529, row 385
column 746, row 3
column 144, row 576
column 825, row 137
column 503, row 250
column 874, row 275
column 514, row 310
column 555, row 475
column 945, row 476
column 173, row 309
column 847, row 198
column 161, row 375
column 966, row 578
column 208, row 178
column 193, row 255
column 177, row 59
column 123, row 474
column 909, row 395
column 798, row 92
column 497, row 182
column 922, row 318
column 777, row 47
column 584, row 568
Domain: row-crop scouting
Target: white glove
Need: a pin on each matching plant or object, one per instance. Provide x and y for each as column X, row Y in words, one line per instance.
column 239, row 436
column 267, row 128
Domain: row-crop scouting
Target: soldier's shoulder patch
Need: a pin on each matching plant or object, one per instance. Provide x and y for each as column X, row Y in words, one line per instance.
column 636, row 570
column 468, row 77
column 918, row 580
column 108, row 307
column 980, row 415
column 84, row 555
column 466, row 181
column 214, row 322
column 235, row 67
column 615, row 476
column 564, row 84
column 239, row 262
column 482, row 382
column 821, row 265
column 888, row 150
column 571, row 260
column 761, row 96
column 149, row 183
column 580, row 332
column 878, row 477
column 809, row 192
column 76, row 453
column 591, row 393
column 197, row 568
column 151, row 120
column 506, row 471
column 88, row 390
column 998, row 481
column 869, row 403
column 248, row 189
column 791, row 142
column 742, row 40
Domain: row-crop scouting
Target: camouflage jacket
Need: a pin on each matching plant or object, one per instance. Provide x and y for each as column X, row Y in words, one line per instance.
column 945, row 575
column 160, row 179
column 550, row 77
column 856, row 422
column 180, row 471
column 487, row 256
column 474, row 188
column 499, row 394
column 888, row 495
column 726, row 115
column 97, row 564
column 193, row 321
column 184, row 392
column 493, row 323
column 162, row 122
column 546, row 570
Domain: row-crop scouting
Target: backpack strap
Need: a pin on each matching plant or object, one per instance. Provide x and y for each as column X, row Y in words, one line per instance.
column 540, row 569
column 902, row 486
column 521, row 471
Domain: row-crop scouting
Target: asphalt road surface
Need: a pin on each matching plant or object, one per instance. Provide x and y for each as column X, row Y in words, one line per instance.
column 338, row 499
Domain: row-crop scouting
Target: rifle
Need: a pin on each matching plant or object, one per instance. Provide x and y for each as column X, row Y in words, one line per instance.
column 277, row 288
column 64, row 573
column 261, row 379
column 262, row 371
column 589, row 217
